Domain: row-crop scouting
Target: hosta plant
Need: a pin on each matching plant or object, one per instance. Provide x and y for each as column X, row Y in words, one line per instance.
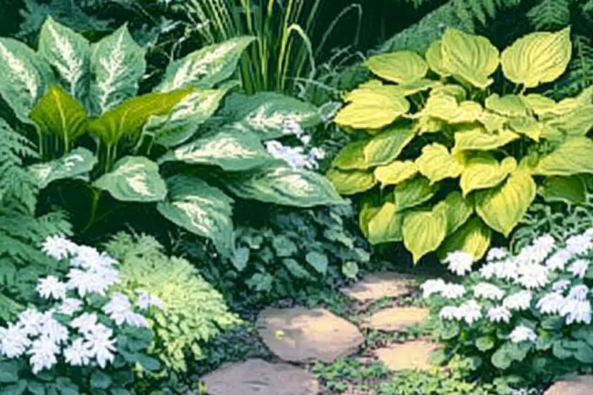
column 521, row 318
column 455, row 145
column 79, row 103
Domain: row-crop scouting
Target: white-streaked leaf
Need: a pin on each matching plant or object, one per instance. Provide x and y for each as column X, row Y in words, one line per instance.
column 574, row 156
column 76, row 163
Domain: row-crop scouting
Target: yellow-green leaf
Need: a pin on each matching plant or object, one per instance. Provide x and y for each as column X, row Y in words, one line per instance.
column 423, row 232
column 351, row 156
column 539, row 104
column 372, row 109
column 401, row 67
column 564, row 189
column 468, row 111
column 386, row 225
column 434, row 58
column 537, row 58
column 527, row 126
column 576, row 123
column 440, row 106
column 351, row 182
column 479, row 140
column 396, row 172
column 574, row 156
column 426, row 124
column 453, row 90
column 456, row 209
column 414, row 192
column 491, row 121
column 414, row 87
column 507, row 105
column 471, row 57
column 436, row 163
column 483, row 171
column 472, row 237
column 387, row 145
column 368, row 209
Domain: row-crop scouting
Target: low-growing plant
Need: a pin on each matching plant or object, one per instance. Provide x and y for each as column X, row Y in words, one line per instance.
column 444, row 162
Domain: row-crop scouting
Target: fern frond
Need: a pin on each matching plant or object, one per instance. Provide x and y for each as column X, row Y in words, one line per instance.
column 580, row 70
column 550, row 14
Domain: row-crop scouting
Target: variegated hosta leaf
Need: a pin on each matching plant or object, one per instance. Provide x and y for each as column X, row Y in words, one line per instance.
column 230, row 151
column 69, row 53
column 507, row 105
column 351, row 156
column 491, row 121
column 440, row 106
column 436, row 163
column 286, row 186
column 472, row 237
column 483, row 171
column 434, row 58
column 539, row 104
column 134, row 179
column 527, row 126
column 574, row 156
column 206, row 67
column 387, row 145
column 468, row 111
column 401, row 67
column 456, row 209
column 537, row 58
column 396, row 172
column 77, row 162
column 570, row 189
column 576, row 123
column 59, row 113
column 268, row 114
column 129, row 118
column 411, row 88
column 504, row 206
column 368, row 209
column 350, row 182
column 200, row 208
column 414, row 192
column 477, row 139
column 386, row 225
column 24, row 77
column 117, row 64
column 423, row 232
column 453, row 90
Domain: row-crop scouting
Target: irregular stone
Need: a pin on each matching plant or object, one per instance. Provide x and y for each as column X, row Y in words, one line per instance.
column 379, row 285
column 258, row 377
column 396, row 318
column 301, row 335
column 412, row 355
column 582, row 385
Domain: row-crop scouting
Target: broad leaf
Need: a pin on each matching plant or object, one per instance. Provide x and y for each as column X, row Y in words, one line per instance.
column 434, row 58
column 455, row 209
column 368, row 209
column 527, row 126
column 387, row 145
column 472, row 237
column 483, row 171
column 396, row 172
column 134, row 179
column 414, row 192
column 351, row 156
column 576, row 123
column 467, row 112
column 318, row 260
column 386, row 225
column 206, row 67
column 350, row 182
column 539, row 104
column 564, row 189
column 507, row 105
column 440, row 106
column 423, row 232
column 401, row 67
column 77, row 162
column 117, row 65
column 436, row 163
column 200, row 208
column 574, row 156
column 537, row 58
column 477, row 139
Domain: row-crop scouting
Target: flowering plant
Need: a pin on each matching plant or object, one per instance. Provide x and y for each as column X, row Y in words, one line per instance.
column 521, row 318
column 85, row 339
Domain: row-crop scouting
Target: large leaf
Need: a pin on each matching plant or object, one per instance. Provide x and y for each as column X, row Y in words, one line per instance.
column 396, row 172
column 472, row 237
column 117, row 65
column 507, row 105
column 402, row 67
column 24, row 77
column 455, row 209
column 350, row 182
column 351, row 156
column 387, row 145
column 386, row 225
column 564, row 189
column 414, row 192
column 206, row 67
column 574, row 156
column 286, row 186
column 230, row 151
column 473, row 58
column 537, row 58
column 77, row 162
column 134, row 179
column 200, row 208
column 576, row 123
column 423, row 232
column 69, row 53
column 483, row 171
column 503, row 207
column 434, row 58
column 436, row 163
column 61, row 114
column 477, row 139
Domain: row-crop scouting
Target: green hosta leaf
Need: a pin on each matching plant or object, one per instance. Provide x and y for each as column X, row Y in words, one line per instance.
column 230, row 151
column 206, row 67
column 483, row 171
column 287, row 186
column 436, row 163
column 434, row 58
column 477, row 139
column 240, row 258
column 69, row 53
column 485, row 343
column 414, row 192
column 539, row 104
column 24, row 77
column 9, row 372
column 396, row 172
column 59, row 113
column 576, row 123
column 423, row 232
column 584, row 353
column 350, row 270
column 77, row 162
column 417, row 86
column 387, row 145
column 507, row 105
column 200, row 208
column 401, row 67
column 472, row 237
column 318, row 260
column 368, row 209
column 386, row 225
column 574, row 156
column 351, row 156
column 117, row 64
column 503, row 207
column 455, row 209
column 350, row 182
column 134, row 179
column 470, row 57
column 564, row 189
column 527, row 126
column 537, row 58
column 130, row 117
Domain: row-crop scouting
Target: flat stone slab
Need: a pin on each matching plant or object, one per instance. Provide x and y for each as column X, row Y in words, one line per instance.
column 582, row 385
column 301, row 335
column 258, row 377
column 412, row 355
column 379, row 285
column 396, row 318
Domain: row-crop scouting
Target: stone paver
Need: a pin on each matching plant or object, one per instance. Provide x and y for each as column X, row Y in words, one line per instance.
column 258, row 377
column 396, row 318
column 301, row 335
column 412, row 355
column 378, row 285
column 582, row 385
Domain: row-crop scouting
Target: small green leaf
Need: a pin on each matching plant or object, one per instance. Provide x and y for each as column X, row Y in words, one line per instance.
column 148, row 363
column 240, row 258
column 283, row 246
column 350, row 269
column 318, row 260
column 484, row 343
column 295, row 268
column 100, row 380
column 77, row 162
column 9, row 372
column 351, row 156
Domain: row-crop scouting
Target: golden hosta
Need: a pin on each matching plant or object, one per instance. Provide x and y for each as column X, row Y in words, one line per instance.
column 443, row 160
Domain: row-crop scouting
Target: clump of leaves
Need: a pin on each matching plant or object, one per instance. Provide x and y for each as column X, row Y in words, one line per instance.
column 345, row 374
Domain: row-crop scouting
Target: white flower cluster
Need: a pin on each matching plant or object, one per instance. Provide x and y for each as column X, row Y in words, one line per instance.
column 84, row 340
column 530, row 275
column 296, row 157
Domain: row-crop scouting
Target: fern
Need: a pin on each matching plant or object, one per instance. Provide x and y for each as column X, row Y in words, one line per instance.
column 550, row 14
column 580, row 70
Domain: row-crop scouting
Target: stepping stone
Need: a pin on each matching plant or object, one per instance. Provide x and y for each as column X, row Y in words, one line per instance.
column 396, row 318
column 379, row 285
column 258, row 377
column 412, row 355
column 301, row 335
column 582, row 385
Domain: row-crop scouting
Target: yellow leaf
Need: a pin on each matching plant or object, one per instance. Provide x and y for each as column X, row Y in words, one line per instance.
column 423, row 232
column 386, row 146
column 386, row 225
column 351, row 156
column 371, row 109
column 484, row 171
column 507, row 105
column 351, row 182
column 434, row 58
column 576, row 123
column 472, row 237
column 401, row 67
column 574, row 156
column 440, row 106
column 468, row 111
column 456, row 209
column 414, row 192
column 539, row 104
column 436, row 163
column 414, row 87
column 479, row 140
column 396, row 172
column 527, row 126
column 453, row 90
column 491, row 121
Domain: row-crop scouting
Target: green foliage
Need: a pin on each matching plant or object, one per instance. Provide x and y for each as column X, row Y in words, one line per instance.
column 445, row 162
column 345, row 374
column 193, row 311
column 433, row 383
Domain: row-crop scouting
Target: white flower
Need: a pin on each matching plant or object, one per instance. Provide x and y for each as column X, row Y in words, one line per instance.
column 488, row 291
column 551, row 303
column 532, row 275
column 13, row 341
column 518, row 301
column 579, row 244
column 145, row 300
column 136, row 320
column 498, row 314
column 55, row 331
column 51, row 287
column 89, row 258
column 523, row 333
column 43, row 354
column 449, row 313
column 120, row 310
column 505, row 270
column 101, row 344
column 560, row 285
column 292, row 126
column 460, row 262
column 589, row 233
column 92, row 281
column 58, row 247
column 558, row 260
column 579, row 268
column 453, row 291
column 576, row 311
column 30, row 322
column 496, row 254
column 294, row 156
column 78, row 353
column 86, row 322
column 579, row 292
column 317, row 153
column 70, row 306
column 433, row 286
column 542, row 247
column 470, row 311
